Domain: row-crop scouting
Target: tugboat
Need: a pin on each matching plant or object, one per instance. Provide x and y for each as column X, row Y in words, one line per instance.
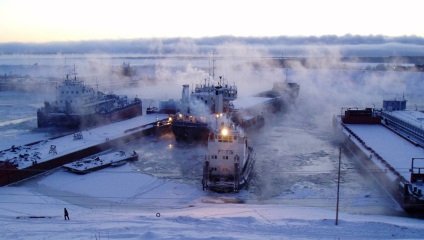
column 229, row 162
column 78, row 105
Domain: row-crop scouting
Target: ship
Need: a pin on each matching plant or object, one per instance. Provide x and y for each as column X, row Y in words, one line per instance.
column 282, row 93
column 165, row 107
column 390, row 142
column 79, row 106
column 229, row 162
column 95, row 163
column 26, row 83
column 198, row 109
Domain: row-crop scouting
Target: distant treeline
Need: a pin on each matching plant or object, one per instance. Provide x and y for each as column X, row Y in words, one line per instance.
column 391, row 63
column 352, row 45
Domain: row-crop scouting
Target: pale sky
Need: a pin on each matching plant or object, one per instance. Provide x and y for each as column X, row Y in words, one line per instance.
column 57, row 20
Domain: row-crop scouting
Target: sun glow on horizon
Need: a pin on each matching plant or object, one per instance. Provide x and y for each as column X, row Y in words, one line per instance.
column 49, row 20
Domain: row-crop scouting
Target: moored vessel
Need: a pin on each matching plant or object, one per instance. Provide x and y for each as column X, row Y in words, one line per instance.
column 91, row 164
column 229, row 163
column 198, row 109
column 78, row 105
column 385, row 141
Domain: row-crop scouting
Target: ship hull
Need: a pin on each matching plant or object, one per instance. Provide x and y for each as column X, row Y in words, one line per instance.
column 227, row 184
column 185, row 131
column 390, row 179
column 46, row 118
column 88, row 165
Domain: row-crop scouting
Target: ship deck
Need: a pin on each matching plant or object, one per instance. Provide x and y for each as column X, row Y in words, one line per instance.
column 378, row 140
column 93, row 163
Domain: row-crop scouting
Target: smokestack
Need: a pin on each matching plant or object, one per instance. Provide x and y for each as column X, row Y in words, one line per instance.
column 185, row 98
column 219, row 100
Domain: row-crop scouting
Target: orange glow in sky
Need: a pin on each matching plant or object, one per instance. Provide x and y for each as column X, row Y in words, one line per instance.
column 52, row 20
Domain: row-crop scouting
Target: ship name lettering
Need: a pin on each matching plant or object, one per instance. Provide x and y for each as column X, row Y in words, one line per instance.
column 228, row 152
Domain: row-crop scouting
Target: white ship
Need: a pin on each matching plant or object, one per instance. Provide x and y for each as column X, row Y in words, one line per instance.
column 78, row 105
column 230, row 160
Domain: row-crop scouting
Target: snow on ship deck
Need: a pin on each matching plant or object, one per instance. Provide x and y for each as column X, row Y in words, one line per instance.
column 43, row 151
column 395, row 150
column 90, row 164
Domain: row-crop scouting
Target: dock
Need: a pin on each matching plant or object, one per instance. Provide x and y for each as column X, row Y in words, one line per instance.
column 22, row 162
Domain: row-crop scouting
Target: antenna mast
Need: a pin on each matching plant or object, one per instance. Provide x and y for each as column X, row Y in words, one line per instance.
column 213, row 64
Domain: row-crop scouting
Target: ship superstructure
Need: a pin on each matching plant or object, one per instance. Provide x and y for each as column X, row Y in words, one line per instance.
column 198, row 108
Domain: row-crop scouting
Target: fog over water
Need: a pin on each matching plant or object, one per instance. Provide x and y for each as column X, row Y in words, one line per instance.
column 297, row 154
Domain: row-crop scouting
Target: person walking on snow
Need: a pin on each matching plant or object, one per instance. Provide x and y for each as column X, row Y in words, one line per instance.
column 66, row 214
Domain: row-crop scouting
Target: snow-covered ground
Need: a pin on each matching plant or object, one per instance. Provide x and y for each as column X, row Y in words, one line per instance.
column 121, row 203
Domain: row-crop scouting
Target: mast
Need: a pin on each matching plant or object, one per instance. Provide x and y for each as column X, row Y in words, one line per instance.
column 213, row 64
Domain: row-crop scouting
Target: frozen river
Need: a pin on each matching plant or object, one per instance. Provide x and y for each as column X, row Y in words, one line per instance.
column 297, row 155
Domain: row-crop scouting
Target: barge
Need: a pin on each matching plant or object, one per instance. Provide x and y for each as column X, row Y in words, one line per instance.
column 95, row 163
column 390, row 142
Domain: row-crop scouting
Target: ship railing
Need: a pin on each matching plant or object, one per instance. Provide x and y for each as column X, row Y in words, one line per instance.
column 417, row 172
column 407, row 127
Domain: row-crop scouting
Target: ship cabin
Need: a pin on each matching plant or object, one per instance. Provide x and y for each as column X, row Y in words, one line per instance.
column 227, row 153
column 360, row 116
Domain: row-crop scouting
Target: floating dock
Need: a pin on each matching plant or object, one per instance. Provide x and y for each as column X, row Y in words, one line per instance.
column 21, row 162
